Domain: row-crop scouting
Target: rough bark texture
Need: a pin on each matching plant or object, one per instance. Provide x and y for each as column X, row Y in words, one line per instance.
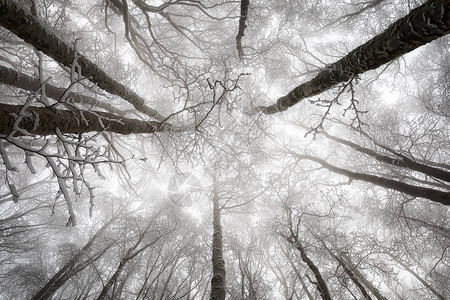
column 416, row 191
column 422, row 25
column 20, row 22
column 242, row 26
column 218, row 263
column 45, row 121
column 23, row 81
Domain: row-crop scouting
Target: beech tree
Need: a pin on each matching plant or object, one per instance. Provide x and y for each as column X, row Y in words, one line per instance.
column 338, row 189
column 293, row 239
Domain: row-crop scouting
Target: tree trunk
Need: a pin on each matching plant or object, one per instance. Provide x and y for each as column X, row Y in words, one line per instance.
column 28, row 83
column 218, row 263
column 402, row 161
column 445, row 232
column 320, row 284
column 68, row 270
column 242, row 26
column 422, row 25
column 362, row 278
column 16, row 19
column 45, row 121
column 129, row 255
column 416, row 191
column 112, row 280
column 347, row 270
column 299, row 276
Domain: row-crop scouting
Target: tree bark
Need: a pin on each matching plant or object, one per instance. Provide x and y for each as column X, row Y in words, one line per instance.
column 422, row 25
column 23, row 81
column 218, row 262
column 299, row 276
column 19, row 21
column 416, row 191
column 445, row 232
column 320, row 284
column 242, row 26
column 402, row 161
column 112, row 280
column 45, row 121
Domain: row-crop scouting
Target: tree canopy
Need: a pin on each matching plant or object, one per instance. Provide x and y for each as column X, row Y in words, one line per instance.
column 185, row 149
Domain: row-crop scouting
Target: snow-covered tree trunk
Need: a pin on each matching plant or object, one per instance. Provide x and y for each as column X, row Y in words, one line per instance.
column 409, row 189
column 422, row 25
column 19, row 21
column 23, row 81
column 218, row 263
column 46, row 121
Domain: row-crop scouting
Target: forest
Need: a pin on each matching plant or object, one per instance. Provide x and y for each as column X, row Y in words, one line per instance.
column 205, row 149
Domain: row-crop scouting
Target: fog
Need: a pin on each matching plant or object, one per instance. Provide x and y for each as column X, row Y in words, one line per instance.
column 182, row 149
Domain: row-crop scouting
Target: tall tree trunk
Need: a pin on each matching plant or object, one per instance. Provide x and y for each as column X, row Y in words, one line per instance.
column 348, row 271
column 422, row 25
column 130, row 254
column 293, row 239
column 19, row 21
column 218, row 262
column 400, row 161
column 45, row 121
column 440, row 165
column 69, row 269
column 445, row 232
column 112, row 280
column 299, row 276
column 23, row 81
column 362, row 278
column 320, row 284
column 416, row 191
column 241, row 31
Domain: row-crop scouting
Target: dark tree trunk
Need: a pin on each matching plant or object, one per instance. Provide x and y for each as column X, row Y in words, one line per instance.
column 130, row 254
column 19, row 21
column 445, row 232
column 299, row 276
column 242, row 26
column 69, row 269
column 320, row 284
column 28, row 83
column 218, row 262
column 416, row 191
column 422, row 25
column 362, row 278
column 348, row 271
column 401, row 161
column 112, row 280
column 45, row 121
